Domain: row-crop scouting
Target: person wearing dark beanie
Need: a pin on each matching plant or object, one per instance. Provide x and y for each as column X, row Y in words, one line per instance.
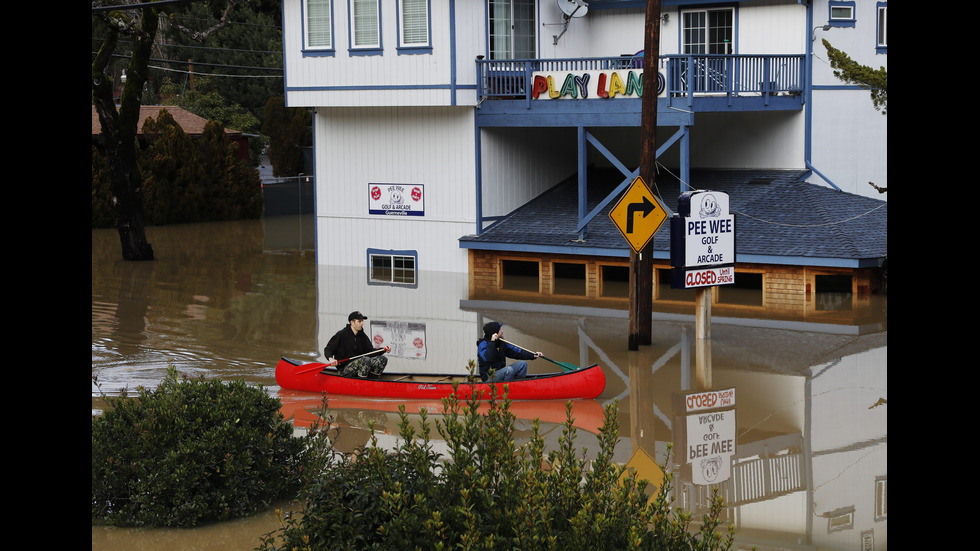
column 492, row 354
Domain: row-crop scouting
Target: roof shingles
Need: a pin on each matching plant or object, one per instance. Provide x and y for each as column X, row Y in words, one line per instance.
column 785, row 217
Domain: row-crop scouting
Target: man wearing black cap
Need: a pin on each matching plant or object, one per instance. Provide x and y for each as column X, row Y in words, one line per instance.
column 353, row 342
column 491, row 353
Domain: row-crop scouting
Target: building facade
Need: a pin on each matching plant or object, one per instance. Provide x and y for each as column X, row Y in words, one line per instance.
column 436, row 121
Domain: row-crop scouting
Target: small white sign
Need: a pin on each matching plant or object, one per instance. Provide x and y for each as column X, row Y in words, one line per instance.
column 705, row 277
column 396, row 199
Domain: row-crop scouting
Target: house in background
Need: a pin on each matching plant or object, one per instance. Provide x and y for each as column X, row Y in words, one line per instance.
column 191, row 124
column 492, row 137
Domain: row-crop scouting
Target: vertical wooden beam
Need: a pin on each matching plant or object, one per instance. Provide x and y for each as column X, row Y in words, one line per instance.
column 641, row 265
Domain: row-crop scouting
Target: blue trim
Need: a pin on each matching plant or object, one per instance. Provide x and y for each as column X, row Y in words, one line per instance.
column 881, row 50
column 393, row 252
column 842, row 4
column 365, row 51
column 414, row 50
column 452, row 52
column 823, row 262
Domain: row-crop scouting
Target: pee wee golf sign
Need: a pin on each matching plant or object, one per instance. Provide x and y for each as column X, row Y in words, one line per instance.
column 702, row 241
column 396, row 199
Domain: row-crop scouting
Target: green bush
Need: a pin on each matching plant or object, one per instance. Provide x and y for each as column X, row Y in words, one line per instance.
column 488, row 493
column 191, row 452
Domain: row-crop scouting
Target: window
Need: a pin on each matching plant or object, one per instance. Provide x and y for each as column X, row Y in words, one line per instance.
column 881, row 498
column 841, row 519
column 842, row 13
column 708, row 31
column 614, row 281
column 319, row 24
column 519, row 275
column 392, row 267
column 569, row 278
column 882, row 46
column 413, row 18
column 512, row 27
column 666, row 292
column 833, row 292
column 365, row 24
column 746, row 291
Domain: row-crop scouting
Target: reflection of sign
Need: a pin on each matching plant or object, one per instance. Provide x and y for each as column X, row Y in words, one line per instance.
column 711, row 399
column 638, row 215
column 396, row 199
column 710, row 445
column 708, row 438
column 406, row 339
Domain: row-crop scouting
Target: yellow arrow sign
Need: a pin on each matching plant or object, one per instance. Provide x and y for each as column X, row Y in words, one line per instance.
column 638, row 215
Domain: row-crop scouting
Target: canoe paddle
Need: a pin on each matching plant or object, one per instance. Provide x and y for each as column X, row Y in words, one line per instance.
column 564, row 365
column 320, row 366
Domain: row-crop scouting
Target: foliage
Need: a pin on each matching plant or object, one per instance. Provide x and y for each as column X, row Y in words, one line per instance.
column 289, row 130
column 205, row 101
column 488, row 493
column 252, row 39
column 852, row 72
column 191, row 452
column 186, row 179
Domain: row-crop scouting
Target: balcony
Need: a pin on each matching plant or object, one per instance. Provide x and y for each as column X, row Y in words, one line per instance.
column 687, row 84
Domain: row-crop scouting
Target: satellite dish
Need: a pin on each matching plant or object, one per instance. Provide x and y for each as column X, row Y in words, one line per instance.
column 573, row 8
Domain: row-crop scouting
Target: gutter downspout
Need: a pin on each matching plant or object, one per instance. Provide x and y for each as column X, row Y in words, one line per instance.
column 808, row 113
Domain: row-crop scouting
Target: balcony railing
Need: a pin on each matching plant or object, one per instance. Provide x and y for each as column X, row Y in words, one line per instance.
column 683, row 75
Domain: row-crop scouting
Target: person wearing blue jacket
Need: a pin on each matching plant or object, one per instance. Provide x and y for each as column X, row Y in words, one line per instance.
column 492, row 354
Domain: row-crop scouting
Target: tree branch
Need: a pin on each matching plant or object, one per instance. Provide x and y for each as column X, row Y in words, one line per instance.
column 199, row 36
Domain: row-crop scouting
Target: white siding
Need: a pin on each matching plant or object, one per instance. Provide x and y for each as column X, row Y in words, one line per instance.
column 850, row 138
column 389, row 79
column 521, row 163
column 358, row 146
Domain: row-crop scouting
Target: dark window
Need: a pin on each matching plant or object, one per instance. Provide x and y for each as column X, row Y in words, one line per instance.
column 569, row 279
column 615, row 281
column 519, row 275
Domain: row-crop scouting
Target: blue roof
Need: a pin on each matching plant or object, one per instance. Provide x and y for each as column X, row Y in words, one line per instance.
column 779, row 219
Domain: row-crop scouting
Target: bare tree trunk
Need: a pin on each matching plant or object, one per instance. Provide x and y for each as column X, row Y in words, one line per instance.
column 119, row 128
column 641, row 265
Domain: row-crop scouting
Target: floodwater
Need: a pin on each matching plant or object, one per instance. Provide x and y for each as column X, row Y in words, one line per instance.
column 801, row 456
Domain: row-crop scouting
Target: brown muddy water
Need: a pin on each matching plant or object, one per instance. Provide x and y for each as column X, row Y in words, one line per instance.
column 806, row 467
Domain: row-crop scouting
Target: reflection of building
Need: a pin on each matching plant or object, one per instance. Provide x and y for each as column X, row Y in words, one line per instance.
column 810, row 465
column 521, row 156
column 810, row 469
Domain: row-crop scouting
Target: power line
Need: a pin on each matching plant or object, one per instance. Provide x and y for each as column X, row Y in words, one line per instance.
column 198, row 73
column 202, row 64
column 208, row 48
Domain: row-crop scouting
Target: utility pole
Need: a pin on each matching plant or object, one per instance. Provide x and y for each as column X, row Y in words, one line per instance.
column 641, row 264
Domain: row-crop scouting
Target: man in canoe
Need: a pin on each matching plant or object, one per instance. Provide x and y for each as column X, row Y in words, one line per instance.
column 493, row 354
column 353, row 352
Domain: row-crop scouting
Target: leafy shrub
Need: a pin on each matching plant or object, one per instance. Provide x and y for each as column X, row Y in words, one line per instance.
column 487, row 494
column 190, row 452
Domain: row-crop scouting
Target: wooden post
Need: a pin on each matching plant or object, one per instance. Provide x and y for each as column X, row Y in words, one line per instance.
column 641, row 265
column 702, row 331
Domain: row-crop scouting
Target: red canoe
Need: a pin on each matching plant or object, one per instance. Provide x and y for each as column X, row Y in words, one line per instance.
column 586, row 382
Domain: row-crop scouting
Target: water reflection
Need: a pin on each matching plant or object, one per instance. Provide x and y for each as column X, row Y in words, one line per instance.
column 809, row 469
